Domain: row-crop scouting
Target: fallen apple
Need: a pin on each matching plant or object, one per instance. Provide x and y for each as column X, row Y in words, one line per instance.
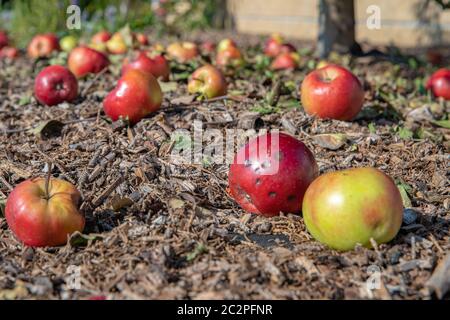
column 208, row 47
column 55, row 84
column 182, row 52
column 439, row 83
column 285, row 61
column 225, row 44
column 157, row 65
column 142, row 39
column 101, row 37
column 9, row 52
column 229, row 58
column 136, row 95
column 344, row 208
column 272, row 47
column 44, row 214
column 84, row 60
column 67, row 43
column 332, row 92
column 208, row 81
column 117, row 44
column 271, row 173
column 43, row 45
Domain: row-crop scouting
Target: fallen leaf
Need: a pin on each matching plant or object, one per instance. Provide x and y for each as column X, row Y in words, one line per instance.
column 48, row 129
column 405, row 198
column 440, row 279
column 77, row 239
column 168, row 86
column 332, row 141
column 442, row 123
column 183, row 100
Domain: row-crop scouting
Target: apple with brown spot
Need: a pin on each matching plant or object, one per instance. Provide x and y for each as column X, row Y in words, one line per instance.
column 332, row 92
column 347, row 207
column 271, row 173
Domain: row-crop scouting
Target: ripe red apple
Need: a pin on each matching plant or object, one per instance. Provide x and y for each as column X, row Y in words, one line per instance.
column 229, row 58
column 182, row 52
column 117, row 44
column 42, row 45
column 286, row 60
column 55, row 84
column 41, row 215
column 351, row 206
column 9, row 52
column 208, row 47
column 101, row 37
column 157, row 65
column 273, row 45
column 208, row 81
column 142, row 39
column 4, row 40
column 136, row 95
column 439, row 83
column 84, row 60
column 332, row 92
column 271, row 173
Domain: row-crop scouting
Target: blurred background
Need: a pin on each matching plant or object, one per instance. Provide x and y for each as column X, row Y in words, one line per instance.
column 406, row 23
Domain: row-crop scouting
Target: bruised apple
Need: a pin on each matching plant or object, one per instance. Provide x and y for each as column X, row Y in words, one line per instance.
column 344, row 208
column 332, row 92
column 44, row 214
column 271, row 173
column 136, row 95
column 208, row 81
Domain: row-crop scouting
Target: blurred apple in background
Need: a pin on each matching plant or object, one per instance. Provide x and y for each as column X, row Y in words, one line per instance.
column 83, row 60
column 43, row 45
column 182, row 51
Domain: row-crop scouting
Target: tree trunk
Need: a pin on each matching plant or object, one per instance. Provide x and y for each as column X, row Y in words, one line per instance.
column 337, row 28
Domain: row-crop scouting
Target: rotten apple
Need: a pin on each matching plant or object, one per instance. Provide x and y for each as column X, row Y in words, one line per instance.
column 44, row 212
column 136, row 95
column 55, row 84
column 439, row 83
column 208, row 81
column 344, row 208
column 271, row 173
column 332, row 92
column 182, row 52
column 157, row 65
column 84, row 60
column 42, row 45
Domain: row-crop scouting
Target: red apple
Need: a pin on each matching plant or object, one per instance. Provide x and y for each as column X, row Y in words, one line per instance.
column 4, row 40
column 273, row 45
column 208, row 47
column 208, row 81
column 101, row 37
column 55, row 84
column 439, row 83
column 271, row 173
column 44, row 215
column 142, row 39
column 157, row 65
column 288, row 60
column 226, row 44
column 84, row 60
column 42, row 45
column 9, row 52
column 182, row 52
column 229, row 58
column 332, row 92
column 352, row 206
column 136, row 95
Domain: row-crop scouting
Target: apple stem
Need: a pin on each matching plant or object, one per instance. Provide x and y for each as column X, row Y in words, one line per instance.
column 47, row 180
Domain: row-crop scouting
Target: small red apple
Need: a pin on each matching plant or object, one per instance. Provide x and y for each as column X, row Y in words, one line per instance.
column 4, row 40
column 229, row 58
column 157, row 65
column 182, row 52
column 286, row 60
column 84, row 60
column 55, row 84
column 142, row 39
column 101, row 37
column 9, row 52
column 352, row 206
column 439, row 83
column 208, row 47
column 136, row 95
column 226, row 44
column 273, row 45
column 271, row 173
column 42, row 45
column 332, row 92
column 208, row 81
column 42, row 214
